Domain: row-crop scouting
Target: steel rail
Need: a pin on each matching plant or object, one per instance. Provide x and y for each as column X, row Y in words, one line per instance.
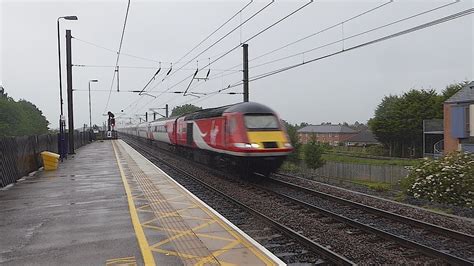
column 317, row 248
column 390, row 215
column 402, row 241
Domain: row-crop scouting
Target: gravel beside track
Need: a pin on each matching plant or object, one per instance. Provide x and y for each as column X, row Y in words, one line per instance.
column 446, row 241
column 458, row 224
column 356, row 244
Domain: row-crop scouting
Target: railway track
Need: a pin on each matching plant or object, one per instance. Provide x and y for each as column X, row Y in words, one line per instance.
column 281, row 240
column 456, row 235
column 452, row 246
column 403, row 240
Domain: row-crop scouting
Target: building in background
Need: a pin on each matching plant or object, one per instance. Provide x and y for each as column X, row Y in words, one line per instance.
column 362, row 139
column 459, row 121
column 326, row 133
column 433, row 138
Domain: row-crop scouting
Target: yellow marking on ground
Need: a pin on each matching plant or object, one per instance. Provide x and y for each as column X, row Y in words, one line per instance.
column 142, row 241
column 129, row 261
column 183, row 233
column 159, row 228
column 214, row 237
column 150, row 221
column 174, row 253
column 196, row 218
column 217, row 253
column 242, row 240
column 176, row 212
column 142, row 208
column 238, row 238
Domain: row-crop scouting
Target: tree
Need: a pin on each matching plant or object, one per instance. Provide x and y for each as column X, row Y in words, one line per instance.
column 292, row 131
column 313, row 153
column 302, row 124
column 184, row 109
column 359, row 126
column 20, row 118
column 398, row 120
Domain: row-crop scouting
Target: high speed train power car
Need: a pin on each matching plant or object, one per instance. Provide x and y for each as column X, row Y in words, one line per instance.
column 247, row 135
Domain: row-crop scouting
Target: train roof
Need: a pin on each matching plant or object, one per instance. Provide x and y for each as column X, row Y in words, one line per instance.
column 245, row 107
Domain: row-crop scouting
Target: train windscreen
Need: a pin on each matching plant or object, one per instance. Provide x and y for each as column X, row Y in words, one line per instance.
column 265, row 122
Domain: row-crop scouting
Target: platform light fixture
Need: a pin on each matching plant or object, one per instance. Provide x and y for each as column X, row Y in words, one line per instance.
column 62, row 119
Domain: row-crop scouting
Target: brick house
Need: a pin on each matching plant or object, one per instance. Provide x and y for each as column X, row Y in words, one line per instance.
column 459, row 120
column 332, row 134
column 364, row 138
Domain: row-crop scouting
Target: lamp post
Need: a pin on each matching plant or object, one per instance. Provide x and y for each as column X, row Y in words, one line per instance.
column 90, row 113
column 62, row 120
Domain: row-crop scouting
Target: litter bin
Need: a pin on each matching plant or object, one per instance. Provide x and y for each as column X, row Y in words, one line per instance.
column 50, row 160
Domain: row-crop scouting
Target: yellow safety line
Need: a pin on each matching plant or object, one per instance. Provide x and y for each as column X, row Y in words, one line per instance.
column 242, row 240
column 142, row 242
column 217, row 253
column 263, row 257
column 182, row 233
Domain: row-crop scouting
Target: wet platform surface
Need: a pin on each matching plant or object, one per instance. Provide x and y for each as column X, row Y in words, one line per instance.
column 109, row 205
column 76, row 215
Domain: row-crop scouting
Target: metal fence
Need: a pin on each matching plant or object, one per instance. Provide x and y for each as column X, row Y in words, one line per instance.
column 380, row 173
column 20, row 156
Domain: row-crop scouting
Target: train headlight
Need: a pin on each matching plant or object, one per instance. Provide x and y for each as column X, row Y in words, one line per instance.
column 246, row 145
column 287, row 145
column 255, row 145
column 242, row 145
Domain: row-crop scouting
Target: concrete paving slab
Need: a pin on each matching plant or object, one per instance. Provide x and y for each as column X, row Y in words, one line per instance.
column 76, row 215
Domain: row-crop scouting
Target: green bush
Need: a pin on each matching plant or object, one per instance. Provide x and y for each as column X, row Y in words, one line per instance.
column 313, row 155
column 289, row 167
column 447, row 180
column 377, row 150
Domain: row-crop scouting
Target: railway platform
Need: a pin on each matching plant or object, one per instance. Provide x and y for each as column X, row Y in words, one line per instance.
column 110, row 205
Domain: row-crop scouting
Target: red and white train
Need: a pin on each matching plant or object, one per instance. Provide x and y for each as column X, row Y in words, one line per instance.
column 248, row 135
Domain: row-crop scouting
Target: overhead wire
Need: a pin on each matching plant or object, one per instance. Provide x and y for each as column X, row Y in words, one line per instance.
column 115, row 51
column 387, row 37
column 317, row 33
column 251, row 38
column 216, row 30
column 335, row 25
column 218, row 41
column 118, row 56
column 196, row 46
column 234, row 48
column 435, row 22
column 354, row 35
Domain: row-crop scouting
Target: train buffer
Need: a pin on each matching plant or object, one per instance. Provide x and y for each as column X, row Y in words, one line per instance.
column 110, row 206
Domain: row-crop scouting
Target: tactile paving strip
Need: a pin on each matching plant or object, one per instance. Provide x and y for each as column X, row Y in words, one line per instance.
column 185, row 244
column 188, row 230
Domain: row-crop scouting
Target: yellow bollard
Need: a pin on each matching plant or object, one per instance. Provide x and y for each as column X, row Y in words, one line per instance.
column 50, row 160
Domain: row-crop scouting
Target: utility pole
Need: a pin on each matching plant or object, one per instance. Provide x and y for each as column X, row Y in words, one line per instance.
column 246, row 72
column 146, row 116
column 69, row 92
column 166, row 107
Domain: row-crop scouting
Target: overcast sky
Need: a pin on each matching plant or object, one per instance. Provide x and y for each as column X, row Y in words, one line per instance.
column 344, row 87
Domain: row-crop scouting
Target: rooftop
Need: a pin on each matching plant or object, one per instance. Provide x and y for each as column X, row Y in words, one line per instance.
column 326, row 129
column 466, row 94
column 365, row 136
